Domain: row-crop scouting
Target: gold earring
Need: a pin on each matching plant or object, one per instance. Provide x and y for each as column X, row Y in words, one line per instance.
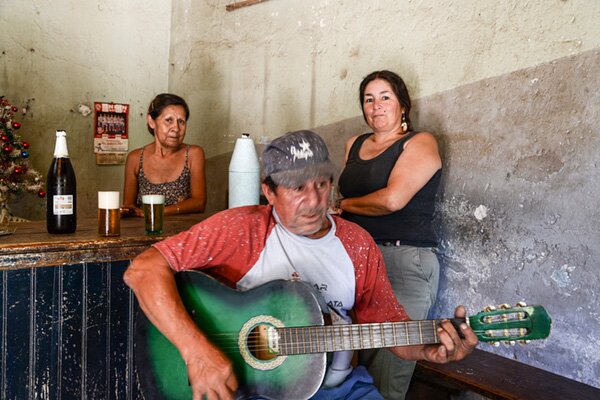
column 404, row 124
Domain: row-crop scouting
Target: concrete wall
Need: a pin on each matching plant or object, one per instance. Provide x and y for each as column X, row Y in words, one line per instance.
column 288, row 64
column 510, row 88
column 59, row 54
column 518, row 217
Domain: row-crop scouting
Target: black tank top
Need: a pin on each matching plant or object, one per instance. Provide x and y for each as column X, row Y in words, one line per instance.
column 412, row 224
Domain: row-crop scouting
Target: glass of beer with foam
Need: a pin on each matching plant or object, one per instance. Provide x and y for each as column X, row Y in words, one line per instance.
column 109, row 215
column 154, row 207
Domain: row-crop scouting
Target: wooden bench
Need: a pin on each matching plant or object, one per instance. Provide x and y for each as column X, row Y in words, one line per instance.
column 494, row 377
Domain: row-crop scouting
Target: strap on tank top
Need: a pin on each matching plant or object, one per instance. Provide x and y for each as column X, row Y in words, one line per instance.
column 353, row 154
column 142, row 157
column 355, row 148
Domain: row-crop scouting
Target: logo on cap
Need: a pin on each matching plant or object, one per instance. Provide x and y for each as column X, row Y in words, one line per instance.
column 303, row 153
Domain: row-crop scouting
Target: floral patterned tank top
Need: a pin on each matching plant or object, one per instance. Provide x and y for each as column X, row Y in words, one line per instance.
column 174, row 191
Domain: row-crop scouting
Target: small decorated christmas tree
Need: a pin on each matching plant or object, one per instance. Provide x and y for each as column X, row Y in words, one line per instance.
column 15, row 173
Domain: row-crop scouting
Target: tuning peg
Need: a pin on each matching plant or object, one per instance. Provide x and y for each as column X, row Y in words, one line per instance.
column 504, row 306
column 512, row 342
column 521, row 304
column 495, row 344
column 489, row 308
column 524, row 341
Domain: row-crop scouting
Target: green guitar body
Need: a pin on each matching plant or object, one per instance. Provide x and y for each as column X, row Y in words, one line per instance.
column 291, row 364
column 227, row 316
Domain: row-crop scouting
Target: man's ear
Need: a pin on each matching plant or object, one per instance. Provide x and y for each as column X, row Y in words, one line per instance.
column 269, row 194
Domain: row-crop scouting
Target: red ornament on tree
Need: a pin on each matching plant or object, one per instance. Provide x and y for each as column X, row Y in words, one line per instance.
column 16, row 175
column 25, row 145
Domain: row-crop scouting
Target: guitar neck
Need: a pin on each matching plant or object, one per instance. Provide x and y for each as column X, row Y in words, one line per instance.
column 320, row 339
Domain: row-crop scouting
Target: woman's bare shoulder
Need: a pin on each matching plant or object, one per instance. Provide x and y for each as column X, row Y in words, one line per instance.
column 423, row 136
column 134, row 154
column 196, row 157
column 423, row 141
column 424, row 133
column 196, row 151
column 352, row 138
column 350, row 141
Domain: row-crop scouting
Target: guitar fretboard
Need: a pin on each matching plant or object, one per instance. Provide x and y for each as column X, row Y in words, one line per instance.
column 320, row 339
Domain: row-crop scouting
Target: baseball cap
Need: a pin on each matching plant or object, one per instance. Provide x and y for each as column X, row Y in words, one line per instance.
column 292, row 159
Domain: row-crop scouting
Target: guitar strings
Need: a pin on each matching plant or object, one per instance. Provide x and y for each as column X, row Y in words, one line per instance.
column 228, row 342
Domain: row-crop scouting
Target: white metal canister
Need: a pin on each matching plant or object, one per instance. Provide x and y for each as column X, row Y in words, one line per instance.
column 244, row 173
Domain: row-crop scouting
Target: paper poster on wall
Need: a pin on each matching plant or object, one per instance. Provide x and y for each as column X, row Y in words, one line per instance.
column 111, row 124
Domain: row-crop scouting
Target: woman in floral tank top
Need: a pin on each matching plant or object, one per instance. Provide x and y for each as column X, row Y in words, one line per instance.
column 167, row 166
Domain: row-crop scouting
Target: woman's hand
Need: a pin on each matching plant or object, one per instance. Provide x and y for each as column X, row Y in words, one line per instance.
column 131, row 211
column 335, row 200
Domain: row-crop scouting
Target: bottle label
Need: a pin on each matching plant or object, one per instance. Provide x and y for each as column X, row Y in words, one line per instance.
column 63, row 205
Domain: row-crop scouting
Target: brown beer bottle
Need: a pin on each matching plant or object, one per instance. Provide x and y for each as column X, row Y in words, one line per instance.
column 61, row 200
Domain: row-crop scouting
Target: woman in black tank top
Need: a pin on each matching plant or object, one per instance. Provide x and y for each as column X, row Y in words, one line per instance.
column 388, row 187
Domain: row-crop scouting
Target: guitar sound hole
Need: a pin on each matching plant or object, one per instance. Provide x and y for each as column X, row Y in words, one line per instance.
column 258, row 343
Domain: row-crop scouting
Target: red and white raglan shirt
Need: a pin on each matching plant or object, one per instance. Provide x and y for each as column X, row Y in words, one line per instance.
column 248, row 247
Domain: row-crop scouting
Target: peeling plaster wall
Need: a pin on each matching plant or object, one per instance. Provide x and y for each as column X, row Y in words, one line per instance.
column 55, row 55
column 518, row 216
column 285, row 64
column 510, row 88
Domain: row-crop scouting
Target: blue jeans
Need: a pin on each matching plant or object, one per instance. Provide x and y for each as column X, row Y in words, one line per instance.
column 357, row 386
column 414, row 274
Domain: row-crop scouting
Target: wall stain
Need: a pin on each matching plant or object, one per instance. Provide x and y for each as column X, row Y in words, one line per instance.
column 538, row 167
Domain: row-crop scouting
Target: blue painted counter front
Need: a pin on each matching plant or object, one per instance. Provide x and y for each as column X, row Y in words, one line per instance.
column 67, row 333
column 67, row 316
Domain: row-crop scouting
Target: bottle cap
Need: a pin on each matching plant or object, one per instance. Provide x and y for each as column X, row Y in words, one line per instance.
column 60, row 148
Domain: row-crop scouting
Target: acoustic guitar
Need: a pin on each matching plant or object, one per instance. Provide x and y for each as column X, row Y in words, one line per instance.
column 277, row 341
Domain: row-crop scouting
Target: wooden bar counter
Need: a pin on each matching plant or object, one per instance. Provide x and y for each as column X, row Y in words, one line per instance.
column 31, row 245
column 67, row 318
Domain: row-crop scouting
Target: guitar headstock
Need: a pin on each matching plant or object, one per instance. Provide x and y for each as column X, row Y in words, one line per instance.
column 520, row 323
